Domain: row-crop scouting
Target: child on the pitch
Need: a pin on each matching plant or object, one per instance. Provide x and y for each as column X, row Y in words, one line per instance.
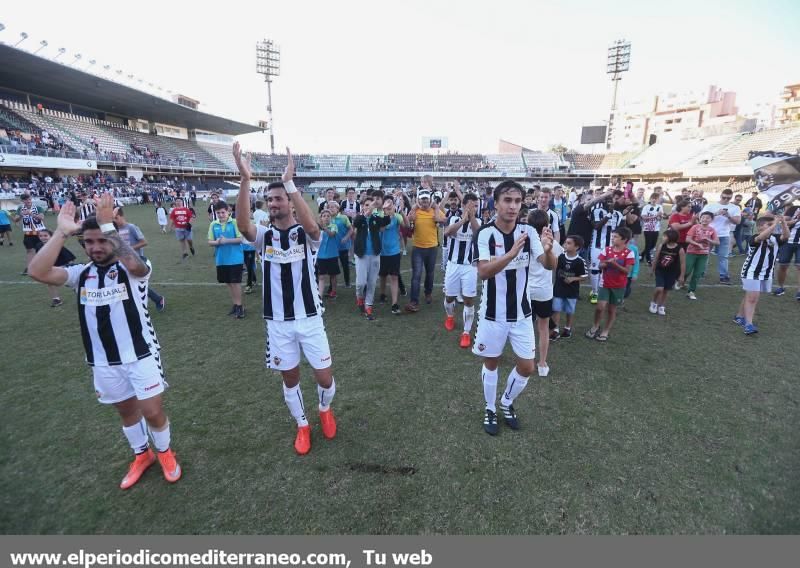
column 616, row 263
column 758, row 267
column 540, row 288
column 570, row 270
column 699, row 239
column 328, row 254
column 634, row 271
column 669, row 266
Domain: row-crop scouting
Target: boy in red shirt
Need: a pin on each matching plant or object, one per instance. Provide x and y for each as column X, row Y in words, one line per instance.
column 616, row 263
column 181, row 218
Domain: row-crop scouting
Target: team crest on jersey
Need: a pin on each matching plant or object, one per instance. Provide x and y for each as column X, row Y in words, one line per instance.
column 276, row 360
column 481, row 347
column 293, row 235
column 112, row 274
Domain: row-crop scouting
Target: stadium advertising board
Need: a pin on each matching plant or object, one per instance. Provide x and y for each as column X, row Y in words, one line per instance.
column 27, row 161
column 593, row 134
column 777, row 175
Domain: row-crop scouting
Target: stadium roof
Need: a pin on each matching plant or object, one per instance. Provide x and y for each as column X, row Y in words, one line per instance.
column 23, row 71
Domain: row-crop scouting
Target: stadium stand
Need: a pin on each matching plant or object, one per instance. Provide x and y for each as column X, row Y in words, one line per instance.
column 509, row 163
column 778, row 139
column 541, row 162
column 584, row 162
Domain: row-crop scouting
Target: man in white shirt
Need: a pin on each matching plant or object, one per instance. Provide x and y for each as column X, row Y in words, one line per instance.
column 260, row 215
column 726, row 217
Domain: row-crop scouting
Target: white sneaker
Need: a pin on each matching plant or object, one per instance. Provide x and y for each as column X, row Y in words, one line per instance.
column 653, row 307
column 662, row 311
column 544, row 370
column 691, row 296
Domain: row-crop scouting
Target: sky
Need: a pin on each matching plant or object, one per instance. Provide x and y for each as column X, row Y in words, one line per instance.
column 374, row 77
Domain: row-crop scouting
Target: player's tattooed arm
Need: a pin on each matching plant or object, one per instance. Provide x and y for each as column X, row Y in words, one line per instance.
column 126, row 255
column 122, row 250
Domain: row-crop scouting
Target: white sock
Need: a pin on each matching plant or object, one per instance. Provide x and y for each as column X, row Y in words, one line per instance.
column 595, row 278
column 469, row 317
column 137, row 436
column 294, row 400
column 326, row 395
column 515, row 384
column 489, row 387
column 450, row 308
column 161, row 438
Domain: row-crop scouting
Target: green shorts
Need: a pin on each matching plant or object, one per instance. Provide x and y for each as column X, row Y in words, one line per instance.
column 613, row 296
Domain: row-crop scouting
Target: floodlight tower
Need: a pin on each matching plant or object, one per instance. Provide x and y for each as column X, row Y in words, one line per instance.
column 268, row 64
column 619, row 61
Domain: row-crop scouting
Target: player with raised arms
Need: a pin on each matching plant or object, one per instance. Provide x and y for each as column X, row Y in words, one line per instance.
column 292, row 305
column 121, row 345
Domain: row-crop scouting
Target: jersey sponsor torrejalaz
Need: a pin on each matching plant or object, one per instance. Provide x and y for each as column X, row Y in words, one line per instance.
column 289, row 284
column 112, row 310
column 505, row 295
column 459, row 246
column 760, row 260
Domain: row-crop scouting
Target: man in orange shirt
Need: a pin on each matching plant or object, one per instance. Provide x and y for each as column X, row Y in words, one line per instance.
column 426, row 217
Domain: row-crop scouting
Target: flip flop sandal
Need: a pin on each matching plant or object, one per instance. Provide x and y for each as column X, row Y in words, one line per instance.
column 591, row 334
column 601, row 338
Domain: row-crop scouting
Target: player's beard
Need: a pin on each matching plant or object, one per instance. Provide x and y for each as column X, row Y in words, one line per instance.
column 102, row 261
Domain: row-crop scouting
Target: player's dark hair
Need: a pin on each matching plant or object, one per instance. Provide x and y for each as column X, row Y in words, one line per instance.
column 507, row 186
column 220, row 205
column 671, row 235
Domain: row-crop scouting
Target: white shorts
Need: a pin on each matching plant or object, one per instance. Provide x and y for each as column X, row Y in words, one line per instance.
column 285, row 339
column 595, row 259
column 142, row 379
column 750, row 285
column 490, row 339
column 461, row 279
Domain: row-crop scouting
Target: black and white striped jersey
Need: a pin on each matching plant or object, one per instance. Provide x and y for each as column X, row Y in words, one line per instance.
column 86, row 210
column 449, row 214
column 601, row 238
column 112, row 309
column 289, row 285
column 459, row 246
column 212, row 213
column 505, row 295
column 761, row 257
column 30, row 224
